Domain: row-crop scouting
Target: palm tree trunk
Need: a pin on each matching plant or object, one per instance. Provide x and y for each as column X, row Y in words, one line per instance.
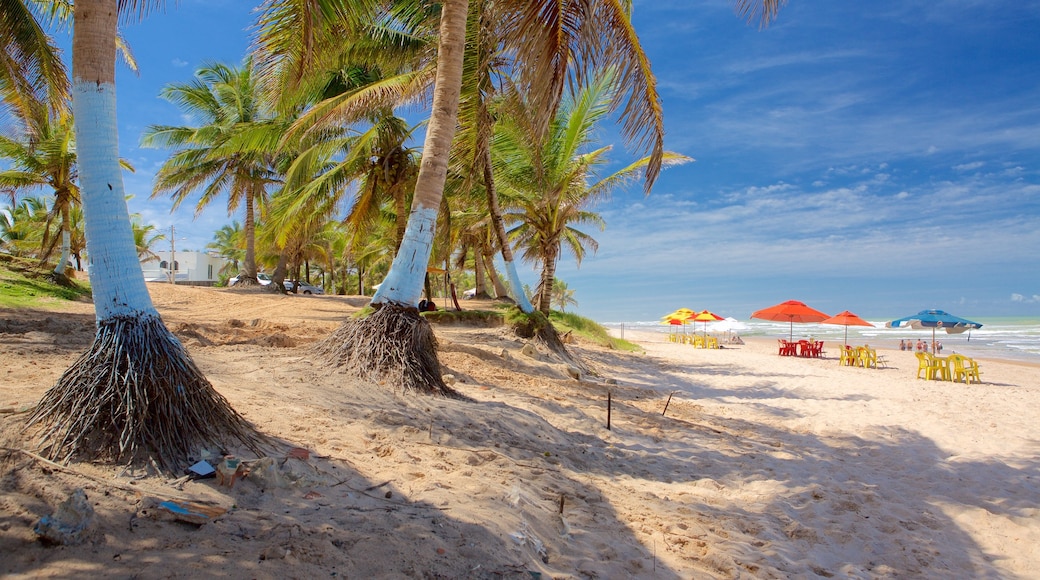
column 546, row 283
column 403, row 284
column 115, row 272
column 489, row 263
column 249, row 264
column 66, row 242
column 500, row 232
column 478, row 274
column 136, row 392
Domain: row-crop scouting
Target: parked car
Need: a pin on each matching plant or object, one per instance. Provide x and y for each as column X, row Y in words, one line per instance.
column 262, row 278
column 304, row 288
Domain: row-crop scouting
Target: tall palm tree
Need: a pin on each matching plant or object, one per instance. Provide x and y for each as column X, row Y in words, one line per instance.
column 218, row 155
column 553, row 182
column 45, row 157
column 136, row 393
column 548, row 36
column 145, row 236
column 31, row 69
column 562, row 296
column 229, row 244
column 22, row 225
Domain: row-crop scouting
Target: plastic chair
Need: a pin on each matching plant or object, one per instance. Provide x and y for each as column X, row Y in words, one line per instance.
column 923, row 365
column 931, row 367
column 868, row 358
column 938, row 366
column 957, row 372
column 971, row 371
column 964, row 369
column 848, row 357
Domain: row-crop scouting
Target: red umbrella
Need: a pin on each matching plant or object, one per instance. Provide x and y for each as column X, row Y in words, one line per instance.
column 847, row 319
column 791, row 311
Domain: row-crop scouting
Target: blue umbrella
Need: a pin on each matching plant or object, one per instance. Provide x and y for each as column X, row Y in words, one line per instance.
column 935, row 319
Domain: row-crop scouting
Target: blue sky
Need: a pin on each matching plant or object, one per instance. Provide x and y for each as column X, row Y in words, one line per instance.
column 878, row 157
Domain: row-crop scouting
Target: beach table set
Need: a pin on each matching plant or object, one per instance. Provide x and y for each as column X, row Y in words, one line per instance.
column 802, row 348
column 955, row 367
column 862, row 356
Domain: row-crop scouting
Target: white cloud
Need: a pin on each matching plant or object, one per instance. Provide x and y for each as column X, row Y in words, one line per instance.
column 179, row 63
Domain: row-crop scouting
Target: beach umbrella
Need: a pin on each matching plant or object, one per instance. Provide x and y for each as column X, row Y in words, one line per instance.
column 846, row 319
column 935, row 319
column 791, row 311
column 679, row 317
column 706, row 317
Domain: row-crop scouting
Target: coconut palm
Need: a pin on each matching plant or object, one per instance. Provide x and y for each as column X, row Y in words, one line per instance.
column 31, row 69
column 22, row 225
column 145, row 236
column 45, row 157
column 552, row 183
column 562, row 296
column 219, row 155
column 229, row 244
column 547, row 38
column 135, row 394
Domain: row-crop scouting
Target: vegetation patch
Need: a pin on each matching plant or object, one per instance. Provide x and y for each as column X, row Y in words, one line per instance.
column 589, row 329
column 23, row 284
column 479, row 318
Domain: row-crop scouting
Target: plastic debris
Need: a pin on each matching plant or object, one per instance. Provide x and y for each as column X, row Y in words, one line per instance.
column 189, row 512
column 69, row 524
column 202, row 470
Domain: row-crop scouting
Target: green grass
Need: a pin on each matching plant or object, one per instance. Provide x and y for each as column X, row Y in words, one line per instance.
column 590, row 330
column 24, row 284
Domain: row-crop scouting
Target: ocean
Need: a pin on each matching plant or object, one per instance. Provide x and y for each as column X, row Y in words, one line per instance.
column 1002, row 338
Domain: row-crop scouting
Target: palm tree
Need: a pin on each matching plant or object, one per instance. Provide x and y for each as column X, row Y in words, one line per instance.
column 553, row 182
column 228, row 243
column 136, row 393
column 45, row 157
column 218, row 155
column 562, row 296
column 21, row 226
column 145, row 236
column 546, row 35
column 31, row 70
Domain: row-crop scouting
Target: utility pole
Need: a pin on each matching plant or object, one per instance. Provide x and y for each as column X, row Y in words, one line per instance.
column 173, row 256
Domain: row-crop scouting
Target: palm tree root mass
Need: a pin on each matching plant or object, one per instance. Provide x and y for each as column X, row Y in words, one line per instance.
column 537, row 325
column 394, row 345
column 135, row 395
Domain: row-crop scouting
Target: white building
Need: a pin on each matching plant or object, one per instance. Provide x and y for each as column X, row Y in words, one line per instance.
column 198, row 268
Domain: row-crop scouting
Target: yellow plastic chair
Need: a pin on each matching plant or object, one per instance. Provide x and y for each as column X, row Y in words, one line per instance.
column 698, row 342
column 713, row 342
column 957, row 372
column 868, row 358
column 939, row 366
column 965, row 369
column 931, row 367
column 923, row 366
column 848, row 357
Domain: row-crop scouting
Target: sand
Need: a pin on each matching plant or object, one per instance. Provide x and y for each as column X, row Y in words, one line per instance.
column 763, row 466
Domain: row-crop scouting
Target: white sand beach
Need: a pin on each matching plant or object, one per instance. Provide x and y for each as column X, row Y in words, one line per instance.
column 762, row 467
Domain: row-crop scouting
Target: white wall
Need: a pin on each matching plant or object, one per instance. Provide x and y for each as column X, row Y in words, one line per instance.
column 191, row 267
